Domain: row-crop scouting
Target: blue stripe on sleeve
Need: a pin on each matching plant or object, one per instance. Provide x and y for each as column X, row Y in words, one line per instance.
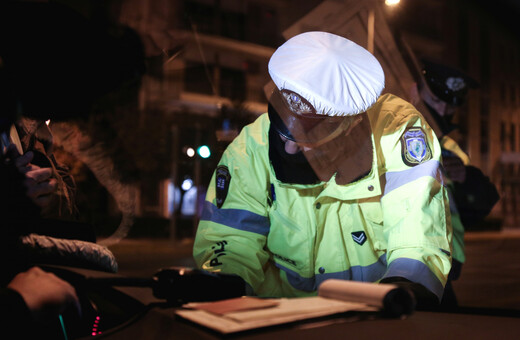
column 415, row 271
column 236, row 218
column 370, row 273
column 410, row 269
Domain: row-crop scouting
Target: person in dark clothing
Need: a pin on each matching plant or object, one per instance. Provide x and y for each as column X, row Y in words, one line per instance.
column 41, row 47
column 27, row 294
column 443, row 89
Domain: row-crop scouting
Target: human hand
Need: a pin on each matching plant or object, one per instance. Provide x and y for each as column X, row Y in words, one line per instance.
column 44, row 293
column 38, row 181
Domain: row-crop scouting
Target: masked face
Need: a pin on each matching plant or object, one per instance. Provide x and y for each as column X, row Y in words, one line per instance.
column 331, row 145
column 291, row 147
column 296, row 120
column 442, row 108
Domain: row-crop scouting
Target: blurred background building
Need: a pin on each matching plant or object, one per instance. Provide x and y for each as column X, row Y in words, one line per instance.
column 207, row 65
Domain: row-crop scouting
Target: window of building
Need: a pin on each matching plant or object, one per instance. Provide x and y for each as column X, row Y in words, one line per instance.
column 199, row 78
column 199, row 16
column 215, row 19
column 232, row 84
column 503, row 136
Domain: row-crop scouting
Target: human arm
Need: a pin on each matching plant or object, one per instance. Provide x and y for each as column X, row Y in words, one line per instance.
column 232, row 233
column 44, row 294
column 417, row 225
column 47, row 183
column 39, row 183
column 418, row 233
column 230, row 239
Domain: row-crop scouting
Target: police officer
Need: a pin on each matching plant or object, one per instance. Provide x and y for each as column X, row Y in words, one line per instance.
column 444, row 89
column 335, row 181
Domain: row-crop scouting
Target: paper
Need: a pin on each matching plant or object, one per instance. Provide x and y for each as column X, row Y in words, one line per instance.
column 372, row 294
column 287, row 310
column 334, row 296
column 234, row 305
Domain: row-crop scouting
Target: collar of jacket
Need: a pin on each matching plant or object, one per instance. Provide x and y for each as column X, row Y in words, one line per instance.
column 368, row 186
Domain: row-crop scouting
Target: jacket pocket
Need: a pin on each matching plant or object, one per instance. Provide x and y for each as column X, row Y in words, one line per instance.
column 290, row 243
column 373, row 217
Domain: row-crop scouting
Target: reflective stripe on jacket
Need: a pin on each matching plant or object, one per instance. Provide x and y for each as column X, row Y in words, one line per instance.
column 285, row 239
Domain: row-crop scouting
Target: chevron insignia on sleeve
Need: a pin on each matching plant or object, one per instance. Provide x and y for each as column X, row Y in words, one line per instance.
column 359, row 237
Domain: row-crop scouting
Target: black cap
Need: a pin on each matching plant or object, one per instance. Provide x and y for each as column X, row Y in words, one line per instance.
column 449, row 84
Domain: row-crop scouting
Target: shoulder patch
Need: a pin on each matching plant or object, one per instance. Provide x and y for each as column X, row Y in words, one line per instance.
column 222, row 180
column 414, row 147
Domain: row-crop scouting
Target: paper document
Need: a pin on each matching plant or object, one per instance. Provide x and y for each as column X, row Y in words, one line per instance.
column 334, row 296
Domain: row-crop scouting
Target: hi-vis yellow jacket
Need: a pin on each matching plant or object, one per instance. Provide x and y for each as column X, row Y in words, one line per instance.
column 285, row 239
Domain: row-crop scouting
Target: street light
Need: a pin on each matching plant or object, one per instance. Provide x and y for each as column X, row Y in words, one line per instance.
column 204, row 151
column 392, row 2
column 187, row 184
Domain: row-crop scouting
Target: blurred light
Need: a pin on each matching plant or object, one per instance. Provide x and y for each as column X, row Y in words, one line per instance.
column 189, row 202
column 190, row 152
column 226, row 125
column 204, row 151
column 174, row 197
column 187, row 184
column 48, row 122
column 95, row 326
column 392, row 2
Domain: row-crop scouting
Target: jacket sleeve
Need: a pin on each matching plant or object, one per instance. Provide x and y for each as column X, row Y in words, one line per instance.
column 232, row 231
column 16, row 316
column 417, row 222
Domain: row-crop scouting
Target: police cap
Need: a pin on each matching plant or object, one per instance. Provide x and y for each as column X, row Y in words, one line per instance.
column 334, row 75
column 319, row 79
column 447, row 83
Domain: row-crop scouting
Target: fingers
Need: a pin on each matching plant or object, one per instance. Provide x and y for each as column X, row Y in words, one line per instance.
column 40, row 193
column 38, row 174
column 42, row 201
column 44, row 293
column 38, row 181
column 72, row 297
column 67, row 295
column 23, row 160
column 12, row 151
column 64, row 293
column 35, row 271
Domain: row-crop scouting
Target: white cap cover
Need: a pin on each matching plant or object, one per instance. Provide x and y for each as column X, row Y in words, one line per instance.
column 337, row 76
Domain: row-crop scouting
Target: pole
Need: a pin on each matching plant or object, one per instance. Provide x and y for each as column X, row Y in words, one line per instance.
column 196, row 181
column 174, row 175
column 370, row 29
